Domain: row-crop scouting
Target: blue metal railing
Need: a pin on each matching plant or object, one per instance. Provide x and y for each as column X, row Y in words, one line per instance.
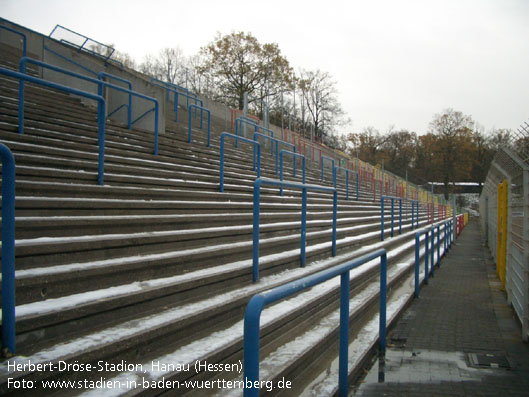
column 202, row 109
column 254, row 143
column 415, row 206
column 429, row 250
column 418, row 258
column 100, row 112
column 323, row 158
column 277, row 142
column 8, row 248
column 294, row 155
column 100, row 84
column 24, row 40
column 304, row 188
column 238, row 126
column 169, row 87
column 256, row 305
column 347, row 181
column 382, row 218
column 102, row 75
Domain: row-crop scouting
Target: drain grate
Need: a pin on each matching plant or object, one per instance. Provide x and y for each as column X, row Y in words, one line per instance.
column 488, row 360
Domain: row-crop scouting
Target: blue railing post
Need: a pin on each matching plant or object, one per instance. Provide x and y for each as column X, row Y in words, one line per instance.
column 258, row 302
column 382, row 220
column 8, row 249
column 256, row 135
column 438, row 245
column 238, row 125
column 343, row 366
column 426, row 255
column 256, row 213
column 303, row 226
column 382, row 198
column 335, row 172
column 432, row 252
column 334, row 220
column 256, row 153
column 418, row 258
column 100, row 76
column 100, row 111
column 201, row 126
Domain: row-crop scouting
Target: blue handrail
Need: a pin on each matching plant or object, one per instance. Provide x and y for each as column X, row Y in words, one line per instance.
column 382, row 198
column 304, row 188
column 294, row 155
column 238, row 125
column 414, row 220
column 254, row 143
column 100, row 112
column 100, row 83
column 202, row 109
column 277, row 142
column 417, row 258
column 24, row 40
column 323, row 158
column 347, row 181
column 169, row 87
column 429, row 251
column 8, row 248
column 256, row 305
column 100, row 76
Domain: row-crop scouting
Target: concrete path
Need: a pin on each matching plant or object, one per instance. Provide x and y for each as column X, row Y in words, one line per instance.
column 460, row 338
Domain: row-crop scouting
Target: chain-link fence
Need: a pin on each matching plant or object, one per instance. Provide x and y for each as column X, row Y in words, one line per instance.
column 510, row 166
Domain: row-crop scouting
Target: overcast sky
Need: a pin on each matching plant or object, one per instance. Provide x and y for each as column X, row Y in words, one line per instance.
column 396, row 63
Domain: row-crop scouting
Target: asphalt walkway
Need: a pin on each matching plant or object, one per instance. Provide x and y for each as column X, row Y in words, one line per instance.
column 460, row 338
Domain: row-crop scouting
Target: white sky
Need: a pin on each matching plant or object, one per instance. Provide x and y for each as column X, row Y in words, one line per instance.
column 396, row 63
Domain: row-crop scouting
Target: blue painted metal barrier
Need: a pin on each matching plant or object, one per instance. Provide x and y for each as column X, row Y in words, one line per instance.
column 347, row 181
column 202, row 109
column 100, row 112
column 323, row 158
column 100, row 84
column 415, row 205
column 238, row 126
column 8, row 249
column 382, row 199
column 102, row 75
column 304, row 188
column 418, row 258
column 277, row 142
column 255, row 145
column 293, row 154
column 171, row 88
column 256, row 305
column 429, row 249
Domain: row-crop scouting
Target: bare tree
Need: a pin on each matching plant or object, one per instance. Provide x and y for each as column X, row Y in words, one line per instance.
column 321, row 100
column 168, row 65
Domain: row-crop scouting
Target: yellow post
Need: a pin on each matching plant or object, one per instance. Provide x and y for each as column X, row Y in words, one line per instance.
column 501, row 248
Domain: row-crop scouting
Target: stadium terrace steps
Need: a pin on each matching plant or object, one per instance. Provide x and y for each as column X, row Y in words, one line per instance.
column 156, row 264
